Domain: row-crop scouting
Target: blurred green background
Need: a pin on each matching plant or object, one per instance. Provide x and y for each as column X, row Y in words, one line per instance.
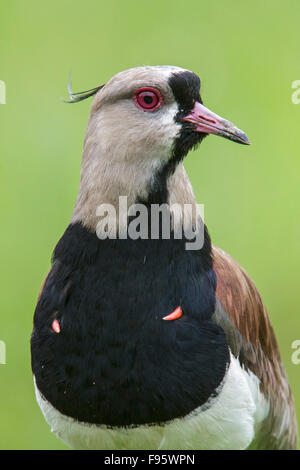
column 247, row 55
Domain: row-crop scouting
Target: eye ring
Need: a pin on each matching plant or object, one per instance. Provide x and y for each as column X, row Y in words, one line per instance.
column 147, row 99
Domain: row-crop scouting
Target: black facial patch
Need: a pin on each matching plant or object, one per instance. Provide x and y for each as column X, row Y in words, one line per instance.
column 186, row 90
column 115, row 360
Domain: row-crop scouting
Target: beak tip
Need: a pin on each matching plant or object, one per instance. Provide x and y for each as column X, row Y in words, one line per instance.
column 246, row 140
column 239, row 136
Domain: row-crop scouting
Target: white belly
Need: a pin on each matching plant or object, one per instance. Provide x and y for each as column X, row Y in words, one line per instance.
column 229, row 422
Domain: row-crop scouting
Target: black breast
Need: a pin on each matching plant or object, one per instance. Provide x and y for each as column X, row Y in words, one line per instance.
column 115, row 360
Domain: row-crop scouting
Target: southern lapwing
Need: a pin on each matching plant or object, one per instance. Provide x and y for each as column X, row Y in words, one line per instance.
column 139, row 342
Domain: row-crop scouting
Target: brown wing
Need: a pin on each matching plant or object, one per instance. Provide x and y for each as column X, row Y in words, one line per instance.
column 241, row 313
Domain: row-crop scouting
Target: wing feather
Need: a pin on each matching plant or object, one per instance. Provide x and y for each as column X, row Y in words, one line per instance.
column 244, row 318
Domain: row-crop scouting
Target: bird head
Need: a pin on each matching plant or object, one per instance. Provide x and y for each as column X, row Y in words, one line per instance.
column 142, row 124
column 156, row 112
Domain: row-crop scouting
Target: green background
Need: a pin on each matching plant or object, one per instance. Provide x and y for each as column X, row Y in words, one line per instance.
column 247, row 55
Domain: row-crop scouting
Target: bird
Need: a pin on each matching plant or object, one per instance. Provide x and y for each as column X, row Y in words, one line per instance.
column 139, row 342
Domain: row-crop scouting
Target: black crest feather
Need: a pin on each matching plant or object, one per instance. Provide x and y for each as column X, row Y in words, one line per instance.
column 81, row 95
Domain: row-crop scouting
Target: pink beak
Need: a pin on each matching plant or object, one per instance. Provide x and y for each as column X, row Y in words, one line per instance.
column 210, row 123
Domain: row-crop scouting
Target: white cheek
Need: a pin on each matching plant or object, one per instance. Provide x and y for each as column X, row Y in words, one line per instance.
column 142, row 137
column 164, row 132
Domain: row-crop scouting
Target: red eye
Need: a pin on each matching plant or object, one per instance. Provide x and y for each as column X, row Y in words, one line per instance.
column 147, row 99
